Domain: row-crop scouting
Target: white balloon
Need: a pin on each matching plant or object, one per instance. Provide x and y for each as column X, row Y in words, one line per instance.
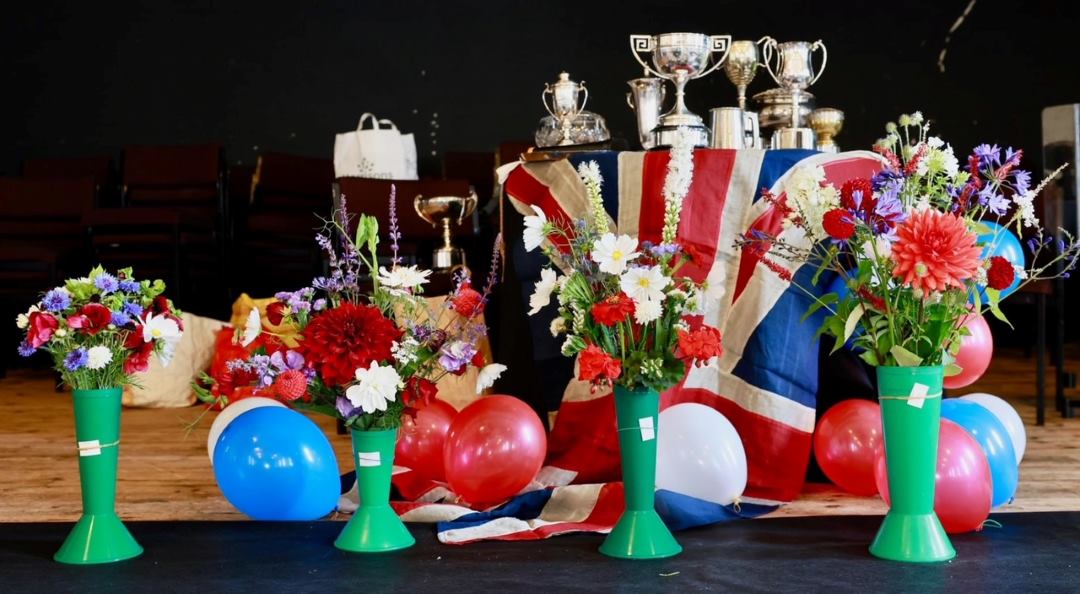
column 699, row 453
column 230, row 412
column 1008, row 417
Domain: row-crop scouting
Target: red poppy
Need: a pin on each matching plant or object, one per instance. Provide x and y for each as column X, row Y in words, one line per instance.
column 597, row 367
column 91, row 319
column 1001, row 273
column 700, row 345
column 139, row 359
column 275, row 312
column 613, row 310
column 41, row 328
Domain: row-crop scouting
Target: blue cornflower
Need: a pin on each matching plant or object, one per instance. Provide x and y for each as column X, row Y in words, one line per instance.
column 120, row 318
column 56, row 300
column 76, row 359
column 25, row 350
column 133, row 309
column 106, row 283
column 130, row 286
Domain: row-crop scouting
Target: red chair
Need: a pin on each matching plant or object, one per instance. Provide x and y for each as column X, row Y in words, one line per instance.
column 99, row 168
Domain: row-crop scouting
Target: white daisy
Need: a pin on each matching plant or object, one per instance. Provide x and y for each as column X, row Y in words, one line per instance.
column 168, row 349
column 647, row 311
column 541, row 296
column 533, row 234
column 403, row 277
column 98, row 357
column 376, row 386
column 487, row 376
column 252, row 328
column 644, row 284
column 614, row 253
column 163, row 328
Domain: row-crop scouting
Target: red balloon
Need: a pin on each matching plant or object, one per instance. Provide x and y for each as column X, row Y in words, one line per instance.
column 846, row 444
column 976, row 350
column 495, row 447
column 963, row 489
column 420, row 446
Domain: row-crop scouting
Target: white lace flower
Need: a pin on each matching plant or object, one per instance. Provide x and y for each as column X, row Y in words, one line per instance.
column 252, row 328
column 541, row 296
column 647, row 311
column 1021, row 272
column 1025, row 204
column 644, row 283
column 487, row 376
column 614, row 253
column 533, row 234
column 403, row 277
column 809, row 199
column 98, row 357
column 376, row 386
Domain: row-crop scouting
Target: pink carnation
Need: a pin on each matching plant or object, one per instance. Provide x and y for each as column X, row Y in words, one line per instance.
column 934, row 251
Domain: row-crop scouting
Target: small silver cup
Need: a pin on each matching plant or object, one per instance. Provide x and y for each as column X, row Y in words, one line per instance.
column 734, row 128
column 646, row 98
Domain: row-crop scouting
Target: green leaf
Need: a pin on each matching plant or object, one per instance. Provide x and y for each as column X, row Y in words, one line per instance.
column 980, row 228
column 952, row 369
column 820, row 302
column 852, row 322
column 870, row 357
column 904, row 357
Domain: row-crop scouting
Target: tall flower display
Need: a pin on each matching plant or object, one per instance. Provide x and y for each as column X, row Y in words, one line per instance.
column 369, row 351
column 628, row 316
column 100, row 330
column 920, row 247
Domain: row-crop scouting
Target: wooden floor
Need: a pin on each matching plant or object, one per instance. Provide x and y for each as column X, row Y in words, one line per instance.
column 165, row 474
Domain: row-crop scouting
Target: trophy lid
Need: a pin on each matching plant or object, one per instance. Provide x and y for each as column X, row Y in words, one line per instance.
column 781, row 96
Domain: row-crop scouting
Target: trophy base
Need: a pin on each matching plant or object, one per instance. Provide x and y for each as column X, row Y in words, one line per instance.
column 446, row 258
column 828, row 146
column 794, row 138
column 664, row 135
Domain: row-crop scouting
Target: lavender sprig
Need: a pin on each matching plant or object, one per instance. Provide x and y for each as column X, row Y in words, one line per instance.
column 395, row 231
column 493, row 273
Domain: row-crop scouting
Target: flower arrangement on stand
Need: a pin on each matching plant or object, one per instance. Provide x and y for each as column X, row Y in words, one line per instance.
column 369, row 351
column 632, row 322
column 100, row 330
column 919, row 249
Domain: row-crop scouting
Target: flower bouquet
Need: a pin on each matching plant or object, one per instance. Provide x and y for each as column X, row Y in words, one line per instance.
column 100, row 330
column 370, row 356
column 920, row 247
column 627, row 315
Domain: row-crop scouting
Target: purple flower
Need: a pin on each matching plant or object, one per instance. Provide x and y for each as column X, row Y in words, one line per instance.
column 395, row 231
column 993, row 200
column 133, row 309
column 56, row 300
column 120, row 318
column 319, row 305
column 989, row 156
column 345, row 407
column 1021, row 181
column 129, row 286
column 25, row 350
column 885, row 177
column 106, row 283
column 290, row 360
column 455, row 355
column 76, row 359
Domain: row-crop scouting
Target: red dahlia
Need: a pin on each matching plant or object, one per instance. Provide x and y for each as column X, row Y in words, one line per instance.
column 698, row 346
column 345, row 338
column 613, row 310
column 1001, row 273
column 597, row 367
column 847, row 195
column 839, row 224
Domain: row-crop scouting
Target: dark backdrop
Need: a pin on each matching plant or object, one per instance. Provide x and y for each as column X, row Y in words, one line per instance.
column 89, row 77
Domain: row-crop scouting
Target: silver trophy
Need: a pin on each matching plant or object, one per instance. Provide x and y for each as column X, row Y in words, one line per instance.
column 564, row 107
column 741, row 65
column 646, row 98
column 680, row 58
column 794, row 70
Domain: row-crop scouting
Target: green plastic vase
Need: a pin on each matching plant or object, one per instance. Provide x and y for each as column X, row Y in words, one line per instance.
column 99, row 536
column 911, row 417
column 375, row 527
column 639, row 533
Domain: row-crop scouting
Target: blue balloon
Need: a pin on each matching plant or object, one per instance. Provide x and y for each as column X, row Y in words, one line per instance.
column 999, row 241
column 276, row 464
column 994, row 439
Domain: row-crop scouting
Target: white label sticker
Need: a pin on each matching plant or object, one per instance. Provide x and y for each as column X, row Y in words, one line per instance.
column 367, row 459
column 648, row 430
column 918, row 395
column 90, row 448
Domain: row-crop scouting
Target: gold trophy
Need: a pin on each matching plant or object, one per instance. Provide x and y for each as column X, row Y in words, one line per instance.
column 827, row 122
column 442, row 210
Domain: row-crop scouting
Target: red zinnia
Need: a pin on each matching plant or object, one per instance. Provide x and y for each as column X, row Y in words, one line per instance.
column 1001, row 273
column 597, row 367
column 345, row 338
column 613, row 310
column 839, row 224
column 847, row 197
column 468, row 301
column 698, row 346
column 41, row 329
column 290, row 385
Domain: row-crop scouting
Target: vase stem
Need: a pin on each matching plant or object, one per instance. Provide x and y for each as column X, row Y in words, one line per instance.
column 375, row 527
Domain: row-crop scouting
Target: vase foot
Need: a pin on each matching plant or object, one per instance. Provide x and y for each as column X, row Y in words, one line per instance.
column 374, row 530
column 914, row 538
column 640, row 535
column 98, row 538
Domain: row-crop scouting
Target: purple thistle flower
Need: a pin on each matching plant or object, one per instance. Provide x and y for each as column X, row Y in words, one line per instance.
column 345, row 407
column 56, row 300
column 106, row 283
column 76, row 359
column 25, row 350
column 130, row 286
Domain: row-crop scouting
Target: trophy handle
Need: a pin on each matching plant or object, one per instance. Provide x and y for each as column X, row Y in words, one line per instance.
column 767, row 52
column 416, row 206
column 543, row 99
column 719, row 43
column 824, row 58
column 643, row 43
column 468, row 206
column 630, row 101
column 585, row 97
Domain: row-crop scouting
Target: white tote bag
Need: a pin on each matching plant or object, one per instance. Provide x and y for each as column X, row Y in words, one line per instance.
column 380, row 151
